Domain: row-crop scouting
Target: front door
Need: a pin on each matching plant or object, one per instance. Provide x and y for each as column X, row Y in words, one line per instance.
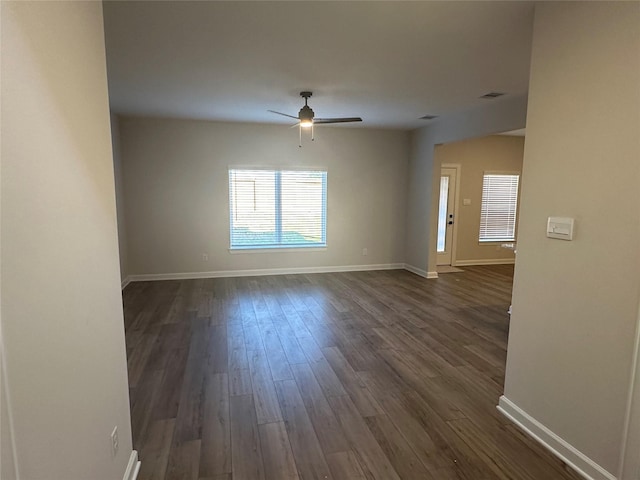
column 445, row 215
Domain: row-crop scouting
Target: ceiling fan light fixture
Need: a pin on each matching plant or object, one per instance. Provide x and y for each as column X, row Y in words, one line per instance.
column 306, row 116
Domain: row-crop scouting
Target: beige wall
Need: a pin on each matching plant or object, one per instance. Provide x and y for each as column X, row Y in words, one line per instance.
column 120, row 201
column 575, row 304
column 176, row 186
column 495, row 153
column 62, row 322
column 422, row 193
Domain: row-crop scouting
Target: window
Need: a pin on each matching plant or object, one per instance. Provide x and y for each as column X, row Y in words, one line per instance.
column 499, row 205
column 277, row 208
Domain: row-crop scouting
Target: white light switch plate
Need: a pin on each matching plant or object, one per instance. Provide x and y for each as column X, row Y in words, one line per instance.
column 560, row 228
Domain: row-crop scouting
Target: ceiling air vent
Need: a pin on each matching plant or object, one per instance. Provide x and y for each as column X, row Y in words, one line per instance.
column 428, row 117
column 492, row 95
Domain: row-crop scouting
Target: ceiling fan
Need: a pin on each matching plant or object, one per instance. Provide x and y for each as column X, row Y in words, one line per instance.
column 306, row 118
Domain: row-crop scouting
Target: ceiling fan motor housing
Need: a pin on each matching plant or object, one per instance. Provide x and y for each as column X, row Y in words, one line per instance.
column 305, row 113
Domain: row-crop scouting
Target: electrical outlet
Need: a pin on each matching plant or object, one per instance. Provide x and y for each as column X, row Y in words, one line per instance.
column 205, row 257
column 365, row 251
column 114, row 441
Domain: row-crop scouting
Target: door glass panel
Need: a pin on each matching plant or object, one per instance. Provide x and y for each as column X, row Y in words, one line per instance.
column 442, row 213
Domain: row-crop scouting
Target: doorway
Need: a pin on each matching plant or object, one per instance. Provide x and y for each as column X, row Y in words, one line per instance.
column 447, row 212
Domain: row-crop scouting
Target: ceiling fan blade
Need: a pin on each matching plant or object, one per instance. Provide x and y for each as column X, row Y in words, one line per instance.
column 337, row 120
column 283, row 114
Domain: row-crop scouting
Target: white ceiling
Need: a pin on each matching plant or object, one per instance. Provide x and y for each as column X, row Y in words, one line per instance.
column 388, row 62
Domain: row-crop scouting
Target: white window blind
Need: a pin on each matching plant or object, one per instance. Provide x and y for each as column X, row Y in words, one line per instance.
column 277, row 208
column 499, row 205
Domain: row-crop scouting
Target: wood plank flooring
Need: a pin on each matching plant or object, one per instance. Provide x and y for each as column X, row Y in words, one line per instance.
column 361, row 375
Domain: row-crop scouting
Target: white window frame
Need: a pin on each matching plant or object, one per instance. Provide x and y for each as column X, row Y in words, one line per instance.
column 278, row 245
column 483, row 237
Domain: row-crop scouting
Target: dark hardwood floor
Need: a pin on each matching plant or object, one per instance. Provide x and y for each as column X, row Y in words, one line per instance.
column 363, row 375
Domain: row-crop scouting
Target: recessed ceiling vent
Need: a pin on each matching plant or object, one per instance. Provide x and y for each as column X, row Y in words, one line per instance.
column 428, row 117
column 492, row 95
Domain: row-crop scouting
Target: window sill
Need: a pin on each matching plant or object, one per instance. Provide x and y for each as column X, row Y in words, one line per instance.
column 297, row 249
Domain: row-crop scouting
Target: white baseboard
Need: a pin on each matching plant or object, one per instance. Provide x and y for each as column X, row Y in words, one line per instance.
column 126, row 282
column 420, row 272
column 552, row 442
column 262, row 272
column 487, row 261
column 133, row 467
